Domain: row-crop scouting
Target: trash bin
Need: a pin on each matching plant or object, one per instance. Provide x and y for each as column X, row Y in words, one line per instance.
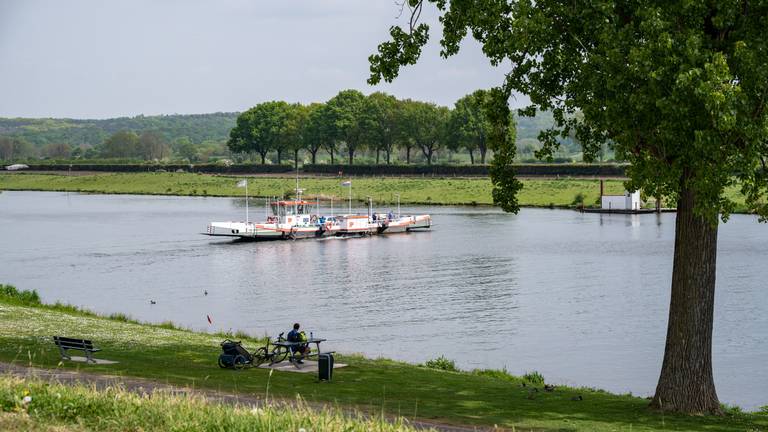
column 325, row 366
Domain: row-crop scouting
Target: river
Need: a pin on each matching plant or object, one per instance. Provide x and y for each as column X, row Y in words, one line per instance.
column 581, row 298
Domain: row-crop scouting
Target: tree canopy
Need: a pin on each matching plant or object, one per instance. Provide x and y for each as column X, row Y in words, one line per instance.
column 677, row 88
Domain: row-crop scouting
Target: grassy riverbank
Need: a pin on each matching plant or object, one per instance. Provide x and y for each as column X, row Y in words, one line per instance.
column 413, row 190
column 175, row 356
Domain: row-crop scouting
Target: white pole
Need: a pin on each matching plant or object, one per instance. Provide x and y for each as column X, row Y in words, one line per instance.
column 246, row 201
column 350, row 197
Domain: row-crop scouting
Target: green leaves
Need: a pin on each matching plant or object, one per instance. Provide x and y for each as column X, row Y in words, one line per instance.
column 259, row 129
column 403, row 49
column 673, row 88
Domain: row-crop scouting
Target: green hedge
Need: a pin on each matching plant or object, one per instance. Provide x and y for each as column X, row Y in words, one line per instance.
column 202, row 168
column 533, row 170
column 529, row 170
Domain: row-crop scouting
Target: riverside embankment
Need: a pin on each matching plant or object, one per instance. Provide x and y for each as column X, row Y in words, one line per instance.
column 180, row 357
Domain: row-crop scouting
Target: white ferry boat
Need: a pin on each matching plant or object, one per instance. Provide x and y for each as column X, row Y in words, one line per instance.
column 299, row 219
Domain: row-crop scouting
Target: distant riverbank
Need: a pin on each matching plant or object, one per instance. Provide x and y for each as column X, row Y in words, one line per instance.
column 563, row 193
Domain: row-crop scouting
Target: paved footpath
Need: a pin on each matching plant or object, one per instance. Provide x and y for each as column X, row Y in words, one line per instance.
column 145, row 386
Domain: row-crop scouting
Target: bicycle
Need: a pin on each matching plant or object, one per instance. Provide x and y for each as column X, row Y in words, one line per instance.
column 278, row 353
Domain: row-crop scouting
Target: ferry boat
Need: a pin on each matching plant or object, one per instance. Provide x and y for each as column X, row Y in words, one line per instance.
column 298, row 219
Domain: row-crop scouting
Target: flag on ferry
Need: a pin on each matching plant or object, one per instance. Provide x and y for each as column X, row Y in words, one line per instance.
column 242, row 183
column 347, row 183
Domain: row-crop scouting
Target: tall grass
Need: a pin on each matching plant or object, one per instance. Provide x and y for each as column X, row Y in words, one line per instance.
column 115, row 409
column 12, row 295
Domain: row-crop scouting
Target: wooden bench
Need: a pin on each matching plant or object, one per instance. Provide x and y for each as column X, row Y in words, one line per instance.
column 84, row 345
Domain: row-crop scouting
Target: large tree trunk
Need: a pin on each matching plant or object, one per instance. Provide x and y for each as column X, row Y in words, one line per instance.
column 331, row 152
column 279, row 156
column 483, row 150
column 351, row 156
column 686, row 383
column 471, row 156
column 388, row 155
column 296, row 159
column 378, row 151
column 407, row 155
column 263, row 157
column 314, row 155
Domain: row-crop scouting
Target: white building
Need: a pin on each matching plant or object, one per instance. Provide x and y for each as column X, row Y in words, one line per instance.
column 628, row 201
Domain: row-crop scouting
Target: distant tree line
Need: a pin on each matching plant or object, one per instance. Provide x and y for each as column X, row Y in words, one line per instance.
column 378, row 128
column 351, row 122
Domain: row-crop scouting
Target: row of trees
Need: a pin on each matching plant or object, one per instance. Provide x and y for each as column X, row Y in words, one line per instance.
column 351, row 122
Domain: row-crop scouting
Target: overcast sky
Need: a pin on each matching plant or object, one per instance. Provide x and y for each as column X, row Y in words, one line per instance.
column 99, row 59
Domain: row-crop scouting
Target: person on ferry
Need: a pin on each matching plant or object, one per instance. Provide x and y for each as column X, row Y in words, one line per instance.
column 298, row 336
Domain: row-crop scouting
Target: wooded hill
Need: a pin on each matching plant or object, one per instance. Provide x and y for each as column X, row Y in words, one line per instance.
column 40, row 132
column 197, row 127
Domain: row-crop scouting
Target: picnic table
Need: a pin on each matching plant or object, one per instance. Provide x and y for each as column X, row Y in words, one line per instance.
column 291, row 345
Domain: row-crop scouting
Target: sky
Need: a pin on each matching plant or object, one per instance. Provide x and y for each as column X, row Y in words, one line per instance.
column 101, row 59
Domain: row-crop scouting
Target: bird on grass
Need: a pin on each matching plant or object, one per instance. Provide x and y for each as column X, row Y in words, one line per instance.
column 205, row 292
column 549, row 388
column 577, row 398
column 152, row 302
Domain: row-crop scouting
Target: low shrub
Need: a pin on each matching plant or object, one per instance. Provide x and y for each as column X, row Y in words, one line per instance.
column 534, row 377
column 442, row 363
column 578, row 200
column 25, row 297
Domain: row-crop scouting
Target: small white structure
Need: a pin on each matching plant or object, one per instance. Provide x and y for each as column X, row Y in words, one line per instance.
column 16, row 167
column 628, row 201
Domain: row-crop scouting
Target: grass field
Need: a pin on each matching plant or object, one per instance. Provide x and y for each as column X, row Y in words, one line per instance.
column 485, row 397
column 382, row 190
column 412, row 190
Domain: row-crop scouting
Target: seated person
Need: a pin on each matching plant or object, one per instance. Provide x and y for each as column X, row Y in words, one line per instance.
column 296, row 336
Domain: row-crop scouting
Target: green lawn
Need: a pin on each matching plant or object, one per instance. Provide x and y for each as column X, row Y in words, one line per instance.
column 412, row 190
column 482, row 398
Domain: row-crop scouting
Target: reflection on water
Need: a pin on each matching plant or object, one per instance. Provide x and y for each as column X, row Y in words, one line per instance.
column 582, row 298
